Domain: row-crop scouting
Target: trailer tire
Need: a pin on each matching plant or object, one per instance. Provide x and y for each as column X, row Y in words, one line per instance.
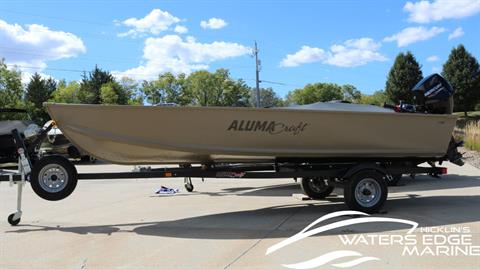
column 315, row 187
column 189, row 187
column 366, row 191
column 53, row 178
column 12, row 221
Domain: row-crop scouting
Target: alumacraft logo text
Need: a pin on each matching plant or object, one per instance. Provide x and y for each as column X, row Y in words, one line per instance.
column 428, row 242
column 271, row 127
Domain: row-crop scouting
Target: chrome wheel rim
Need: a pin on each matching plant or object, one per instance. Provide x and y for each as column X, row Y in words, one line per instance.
column 367, row 192
column 53, row 178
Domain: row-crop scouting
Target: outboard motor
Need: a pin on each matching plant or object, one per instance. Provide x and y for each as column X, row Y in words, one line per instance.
column 433, row 95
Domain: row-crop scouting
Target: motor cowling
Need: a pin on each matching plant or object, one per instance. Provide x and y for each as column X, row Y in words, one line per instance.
column 433, row 95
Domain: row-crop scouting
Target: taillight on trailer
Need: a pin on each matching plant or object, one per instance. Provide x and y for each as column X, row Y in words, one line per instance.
column 443, row 170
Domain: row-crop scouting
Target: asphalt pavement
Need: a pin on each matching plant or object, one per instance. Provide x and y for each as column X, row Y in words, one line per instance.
column 230, row 223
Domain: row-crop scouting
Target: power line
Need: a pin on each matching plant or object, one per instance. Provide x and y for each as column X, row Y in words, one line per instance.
column 101, row 58
column 273, row 82
column 37, row 53
column 46, row 68
column 98, row 36
column 276, row 83
column 53, row 17
column 65, row 69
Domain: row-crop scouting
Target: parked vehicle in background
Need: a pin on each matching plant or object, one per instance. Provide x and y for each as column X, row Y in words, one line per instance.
column 57, row 144
column 15, row 119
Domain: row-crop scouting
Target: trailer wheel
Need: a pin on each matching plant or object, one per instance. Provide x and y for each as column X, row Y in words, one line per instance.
column 12, row 221
column 189, row 187
column 53, row 178
column 366, row 191
column 315, row 187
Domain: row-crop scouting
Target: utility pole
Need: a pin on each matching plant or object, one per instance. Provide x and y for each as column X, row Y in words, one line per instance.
column 257, row 74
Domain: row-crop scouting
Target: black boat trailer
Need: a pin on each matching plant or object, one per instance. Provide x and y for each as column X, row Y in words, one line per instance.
column 364, row 180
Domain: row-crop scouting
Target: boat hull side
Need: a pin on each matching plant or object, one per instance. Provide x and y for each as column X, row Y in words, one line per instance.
column 141, row 135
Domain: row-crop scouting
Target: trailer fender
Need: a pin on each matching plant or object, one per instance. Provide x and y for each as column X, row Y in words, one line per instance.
column 363, row 167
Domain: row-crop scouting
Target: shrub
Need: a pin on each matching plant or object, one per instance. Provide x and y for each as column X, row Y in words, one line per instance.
column 472, row 136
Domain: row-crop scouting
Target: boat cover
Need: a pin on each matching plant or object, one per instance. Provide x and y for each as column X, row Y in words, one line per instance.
column 337, row 106
column 6, row 127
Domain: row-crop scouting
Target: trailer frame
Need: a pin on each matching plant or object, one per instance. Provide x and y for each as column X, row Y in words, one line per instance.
column 319, row 175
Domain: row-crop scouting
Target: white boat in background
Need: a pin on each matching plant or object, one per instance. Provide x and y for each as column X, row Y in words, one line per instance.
column 57, row 144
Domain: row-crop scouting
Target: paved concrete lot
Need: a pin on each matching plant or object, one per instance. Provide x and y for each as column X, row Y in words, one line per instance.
column 227, row 223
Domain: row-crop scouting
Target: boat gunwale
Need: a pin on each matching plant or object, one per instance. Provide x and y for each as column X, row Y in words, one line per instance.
column 251, row 109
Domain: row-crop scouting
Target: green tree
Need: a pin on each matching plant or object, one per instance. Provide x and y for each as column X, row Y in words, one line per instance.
column 66, row 93
column 460, row 70
column 317, row 92
column 351, row 94
column 268, row 98
column 38, row 91
column 377, row 98
column 200, row 88
column 130, row 87
column 204, row 88
column 174, row 88
column 151, row 92
column 108, row 93
column 216, row 89
column 11, row 90
column 403, row 75
column 113, row 93
column 477, row 106
column 235, row 93
column 89, row 92
column 167, row 88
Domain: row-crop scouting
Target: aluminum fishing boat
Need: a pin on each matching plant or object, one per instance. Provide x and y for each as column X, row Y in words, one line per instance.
column 168, row 134
column 360, row 148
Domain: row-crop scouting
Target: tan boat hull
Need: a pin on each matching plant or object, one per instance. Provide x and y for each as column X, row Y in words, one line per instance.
column 148, row 135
